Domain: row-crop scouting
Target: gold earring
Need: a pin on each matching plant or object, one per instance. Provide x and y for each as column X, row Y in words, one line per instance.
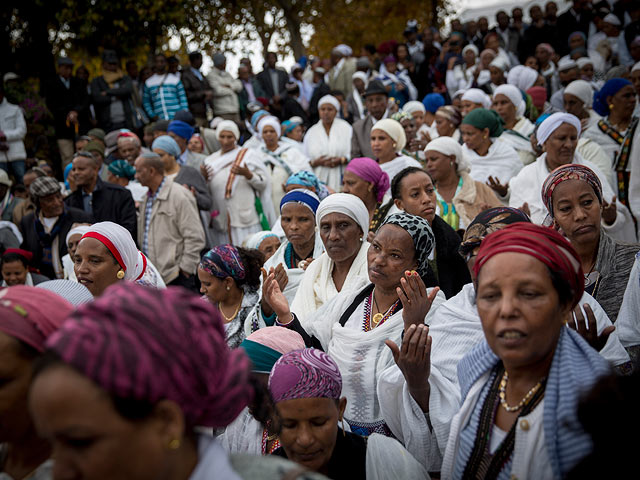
column 228, row 288
column 611, row 106
column 174, row 444
column 395, row 145
column 485, row 137
column 120, row 274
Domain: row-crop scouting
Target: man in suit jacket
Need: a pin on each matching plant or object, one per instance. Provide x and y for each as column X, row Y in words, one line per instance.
column 251, row 89
column 343, row 68
column 577, row 18
column 272, row 79
column 198, row 90
column 375, row 100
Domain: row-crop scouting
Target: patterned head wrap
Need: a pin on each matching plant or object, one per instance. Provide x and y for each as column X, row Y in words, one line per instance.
column 401, row 115
column 122, row 168
column 147, row 344
column 369, row 170
column 421, row 234
column 223, row 261
column 301, row 196
column 265, row 346
column 31, row 315
column 487, row 222
column 609, row 89
column 44, row 186
column 571, row 171
column 307, row 373
column 166, row 144
column 309, row 180
column 542, row 243
column 448, row 112
column 481, row 118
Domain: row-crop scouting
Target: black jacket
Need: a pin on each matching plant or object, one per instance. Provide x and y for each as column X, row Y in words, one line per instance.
column 34, row 243
column 292, row 108
column 111, row 203
column 61, row 100
column 195, row 90
column 102, row 103
column 452, row 273
column 264, row 79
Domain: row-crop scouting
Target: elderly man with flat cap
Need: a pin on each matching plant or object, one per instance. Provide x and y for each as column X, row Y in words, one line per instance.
column 225, row 90
column 45, row 230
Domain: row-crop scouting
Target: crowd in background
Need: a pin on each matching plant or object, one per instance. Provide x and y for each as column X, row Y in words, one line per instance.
column 416, row 259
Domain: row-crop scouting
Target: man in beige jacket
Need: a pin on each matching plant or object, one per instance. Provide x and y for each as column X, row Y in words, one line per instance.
column 343, row 67
column 170, row 232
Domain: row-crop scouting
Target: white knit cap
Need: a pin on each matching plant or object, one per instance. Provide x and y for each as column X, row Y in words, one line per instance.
column 551, row 124
column 476, row 95
column 227, row 126
column 331, row 100
column 581, row 89
column 394, row 129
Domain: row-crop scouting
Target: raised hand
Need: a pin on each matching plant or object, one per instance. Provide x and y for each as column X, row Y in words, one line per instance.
column 496, row 186
column 273, row 295
column 281, row 276
column 590, row 332
column 414, row 361
column 415, row 301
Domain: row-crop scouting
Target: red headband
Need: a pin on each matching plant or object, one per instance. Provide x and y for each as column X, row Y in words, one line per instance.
column 110, row 246
column 23, row 253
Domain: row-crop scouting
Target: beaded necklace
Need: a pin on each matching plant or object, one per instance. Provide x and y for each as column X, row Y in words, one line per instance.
column 378, row 319
column 266, row 439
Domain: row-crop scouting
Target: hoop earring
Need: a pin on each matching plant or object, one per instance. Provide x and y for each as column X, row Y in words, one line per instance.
column 120, row 274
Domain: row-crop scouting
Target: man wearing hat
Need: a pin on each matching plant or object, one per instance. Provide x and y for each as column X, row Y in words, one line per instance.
column 375, row 102
column 45, row 230
column 343, row 66
column 182, row 132
column 111, row 94
column 272, row 79
column 13, row 129
column 225, row 90
column 68, row 102
column 163, row 93
column 198, row 90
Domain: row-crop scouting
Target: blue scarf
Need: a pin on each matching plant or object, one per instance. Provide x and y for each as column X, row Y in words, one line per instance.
column 574, row 369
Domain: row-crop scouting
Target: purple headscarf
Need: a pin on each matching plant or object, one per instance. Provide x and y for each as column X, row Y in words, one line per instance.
column 147, row 344
column 369, row 170
column 223, row 261
column 308, row 373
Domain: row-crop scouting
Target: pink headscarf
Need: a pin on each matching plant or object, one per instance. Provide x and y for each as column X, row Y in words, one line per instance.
column 369, row 170
column 146, row 344
column 31, row 314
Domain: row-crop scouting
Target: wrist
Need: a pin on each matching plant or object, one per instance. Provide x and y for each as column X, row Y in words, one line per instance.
column 285, row 318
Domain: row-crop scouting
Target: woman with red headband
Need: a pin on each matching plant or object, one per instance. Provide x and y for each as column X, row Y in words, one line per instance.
column 14, row 266
column 107, row 254
column 520, row 386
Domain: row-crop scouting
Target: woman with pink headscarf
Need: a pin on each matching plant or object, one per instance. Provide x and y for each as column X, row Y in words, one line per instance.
column 125, row 391
column 28, row 316
column 364, row 178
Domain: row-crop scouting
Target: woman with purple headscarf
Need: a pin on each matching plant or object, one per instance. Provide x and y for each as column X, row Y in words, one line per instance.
column 365, row 179
column 306, row 387
column 124, row 391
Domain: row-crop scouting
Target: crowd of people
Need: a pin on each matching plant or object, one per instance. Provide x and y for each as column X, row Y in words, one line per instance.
column 418, row 261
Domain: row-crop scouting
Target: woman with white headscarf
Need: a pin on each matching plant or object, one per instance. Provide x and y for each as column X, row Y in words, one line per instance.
column 343, row 222
column 282, row 159
column 510, row 105
column 72, row 240
column 236, row 177
column 328, row 143
column 107, row 254
column 558, row 135
column 578, row 101
column 523, row 77
column 474, row 98
column 387, row 140
column 355, row 100
column 460, row 198
column 461, row 75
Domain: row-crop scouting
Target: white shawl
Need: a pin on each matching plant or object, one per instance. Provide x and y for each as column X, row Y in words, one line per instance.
column 243, row 435
column 337, row 144
column 317, row 286
column 628, row 322
column 501, row 161
column 527, row 186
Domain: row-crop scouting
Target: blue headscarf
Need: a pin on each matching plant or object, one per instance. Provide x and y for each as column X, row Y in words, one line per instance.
column 182, row 129
column 301, row 196
column 257, row 116
column 67, row 170
column 288, row 126
column 432, row 102
column 167, row 144
column 613, row 86
column 309, row 180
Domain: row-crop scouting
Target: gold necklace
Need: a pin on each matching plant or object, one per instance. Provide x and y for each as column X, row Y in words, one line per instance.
column 235, row 314
column 377, row 318
column 503, row 394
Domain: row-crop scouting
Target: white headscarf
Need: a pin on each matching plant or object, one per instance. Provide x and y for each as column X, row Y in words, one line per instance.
column 348, row 205
column 331, row 100
column 471, row 47
column 79, row 230
column 476, row 95
column 414, row 106
column 501, row 63
column 581, row 89
column 271, row 121
column 522, row 77
column 227, row 126
column 448, row 146
column 362, row 76
column 394, row 129
column 635, row 67
column 582, row 61
column 513, row 94
column 551, row 123
column 119, row 242
column 256, row 239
